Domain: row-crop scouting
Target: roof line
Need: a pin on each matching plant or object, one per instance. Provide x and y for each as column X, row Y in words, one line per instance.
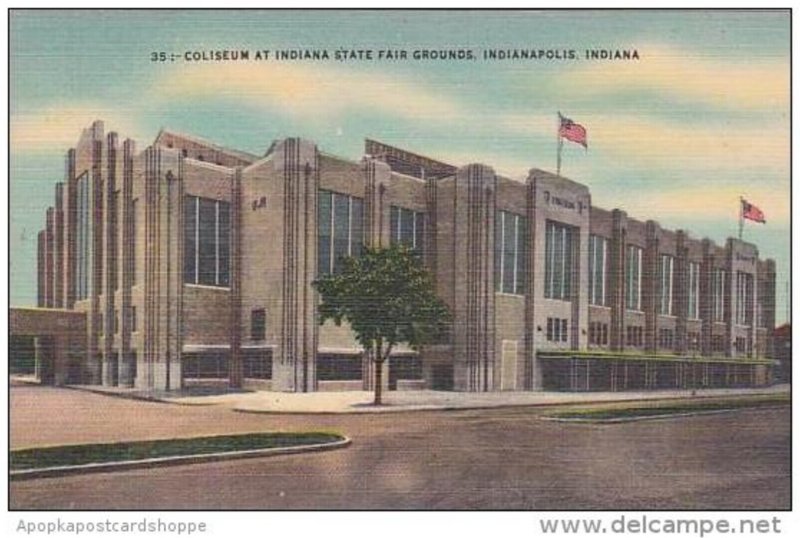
column 200, row 140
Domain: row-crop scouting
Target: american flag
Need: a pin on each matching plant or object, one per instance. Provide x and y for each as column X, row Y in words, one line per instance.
column 751, row 212
column 574, row 132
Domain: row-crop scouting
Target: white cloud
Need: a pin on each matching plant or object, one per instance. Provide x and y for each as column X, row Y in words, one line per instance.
column 752, row 83
column 312, row 92
column 58, row 128
column 649, row 142
column 707, row 202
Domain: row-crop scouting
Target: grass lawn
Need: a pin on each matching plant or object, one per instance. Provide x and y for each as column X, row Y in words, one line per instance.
column 649, row 409
column 38, row 458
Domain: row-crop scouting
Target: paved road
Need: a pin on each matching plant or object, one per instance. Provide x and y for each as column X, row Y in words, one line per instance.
column 499, row 458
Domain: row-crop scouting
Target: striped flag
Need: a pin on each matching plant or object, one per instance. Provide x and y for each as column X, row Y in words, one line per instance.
column 751, row 212
column 574, row 132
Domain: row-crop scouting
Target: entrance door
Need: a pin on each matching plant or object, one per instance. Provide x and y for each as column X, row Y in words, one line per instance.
column 508, row 379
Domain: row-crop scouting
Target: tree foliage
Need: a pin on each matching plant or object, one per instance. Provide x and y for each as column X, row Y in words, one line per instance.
column 387, row 296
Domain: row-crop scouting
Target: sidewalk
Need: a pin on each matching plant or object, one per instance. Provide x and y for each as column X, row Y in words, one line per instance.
column 421, row 400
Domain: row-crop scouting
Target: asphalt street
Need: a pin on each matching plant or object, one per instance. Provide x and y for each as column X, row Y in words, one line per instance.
column 479, row 459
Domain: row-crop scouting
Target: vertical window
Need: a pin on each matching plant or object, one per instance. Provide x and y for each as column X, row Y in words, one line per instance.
column 694, row 291
column 598, row 333
column 633, row 278
column 258, row 324
column 666, row 338
column 598, row 253
column 340, row 230
column 324, row 231
column 558, row 261
column 694, row 340
column 112, row 229
column 666, row 272
column 744, row 298
column 133, row 241
column 718, row 344
column 79, row 238
column 134, row 327
column 763, row 296
column 223, row 243
column 719, row 285
column 190, row 239
column 84, row 235
column 407, row 227
column 206, row 250
column 634, row 335
column 356, row 226
column 510, row 230
column 206, row 242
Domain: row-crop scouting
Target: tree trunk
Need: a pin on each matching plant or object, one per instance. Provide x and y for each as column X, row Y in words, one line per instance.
column 378, row 382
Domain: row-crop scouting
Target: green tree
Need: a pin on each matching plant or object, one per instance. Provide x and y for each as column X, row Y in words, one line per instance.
column 387, row 297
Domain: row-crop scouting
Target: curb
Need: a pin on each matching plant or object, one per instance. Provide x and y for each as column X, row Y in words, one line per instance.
column 65, row 470
column 389, row 409
column 665, row 416
column 138, row 397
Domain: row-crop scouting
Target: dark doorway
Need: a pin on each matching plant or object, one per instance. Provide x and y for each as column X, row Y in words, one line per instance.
column 21, row 355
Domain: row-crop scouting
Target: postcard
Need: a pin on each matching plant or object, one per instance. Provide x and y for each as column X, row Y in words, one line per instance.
column 397, row 260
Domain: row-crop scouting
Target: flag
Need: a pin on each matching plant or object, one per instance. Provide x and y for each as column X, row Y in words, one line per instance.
column 574, row 132
column 751, row 212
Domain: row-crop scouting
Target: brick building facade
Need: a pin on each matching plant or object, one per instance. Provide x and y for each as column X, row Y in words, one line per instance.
column 194, row 262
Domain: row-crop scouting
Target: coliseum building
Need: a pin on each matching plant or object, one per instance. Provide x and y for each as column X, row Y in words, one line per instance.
column 187, row 262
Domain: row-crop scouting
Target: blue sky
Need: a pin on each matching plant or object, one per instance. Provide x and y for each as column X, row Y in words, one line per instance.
column 678, row 136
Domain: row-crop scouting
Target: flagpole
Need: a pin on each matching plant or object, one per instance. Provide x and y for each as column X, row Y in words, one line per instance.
column 559, row 145
column 558, row 165
column 741, row 216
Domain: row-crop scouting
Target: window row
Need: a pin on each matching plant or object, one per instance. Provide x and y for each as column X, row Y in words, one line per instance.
column 207, row 253
column 556, row 286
